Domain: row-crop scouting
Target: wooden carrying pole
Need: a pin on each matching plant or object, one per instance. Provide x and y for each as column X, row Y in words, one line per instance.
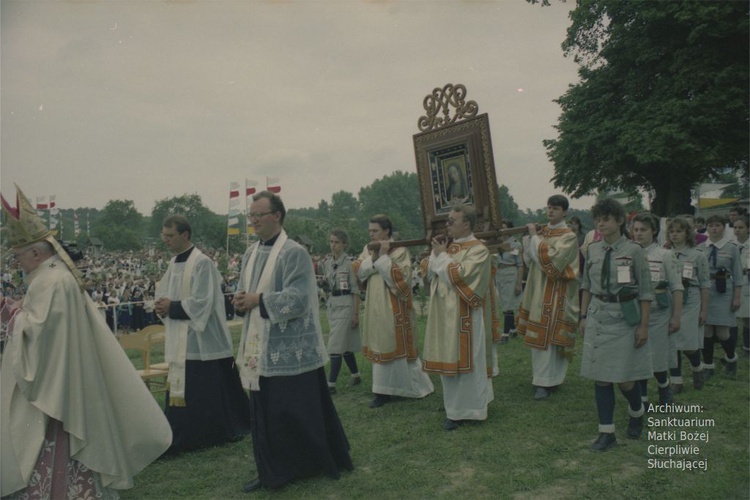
column 485, row 235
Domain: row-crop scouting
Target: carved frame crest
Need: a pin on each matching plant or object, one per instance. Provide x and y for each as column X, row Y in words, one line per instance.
column 455, row 165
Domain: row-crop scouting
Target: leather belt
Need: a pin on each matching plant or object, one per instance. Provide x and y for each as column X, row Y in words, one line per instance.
column 616, row 298
column 338, row 293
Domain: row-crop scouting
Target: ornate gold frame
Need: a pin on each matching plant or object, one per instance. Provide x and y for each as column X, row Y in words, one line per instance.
column 442, row 155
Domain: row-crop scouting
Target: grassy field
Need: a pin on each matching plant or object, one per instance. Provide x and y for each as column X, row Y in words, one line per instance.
column 526, row 449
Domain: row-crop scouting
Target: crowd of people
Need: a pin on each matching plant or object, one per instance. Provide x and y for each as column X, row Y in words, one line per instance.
column 637, row 291
column 123, row 283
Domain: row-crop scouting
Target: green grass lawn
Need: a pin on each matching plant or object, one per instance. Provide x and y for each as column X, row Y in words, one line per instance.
column 526, row 449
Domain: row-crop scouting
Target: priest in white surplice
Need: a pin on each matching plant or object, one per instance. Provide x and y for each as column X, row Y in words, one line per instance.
column 206, row 405
column 296, row 430
column 459, row 319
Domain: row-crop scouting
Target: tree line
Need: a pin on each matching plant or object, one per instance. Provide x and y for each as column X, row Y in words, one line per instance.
column 120, row 226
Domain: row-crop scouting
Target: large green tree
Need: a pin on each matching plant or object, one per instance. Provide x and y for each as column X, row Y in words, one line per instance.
column 662, row 102
column 208, row 228
column 119, row 226
column 508, row 206
column 396, row 195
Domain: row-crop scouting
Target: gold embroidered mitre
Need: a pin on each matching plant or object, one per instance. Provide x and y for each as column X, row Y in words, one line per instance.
column 22, row 224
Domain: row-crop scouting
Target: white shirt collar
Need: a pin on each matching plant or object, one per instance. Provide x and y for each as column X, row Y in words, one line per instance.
column 719, row 244
column 465, row 238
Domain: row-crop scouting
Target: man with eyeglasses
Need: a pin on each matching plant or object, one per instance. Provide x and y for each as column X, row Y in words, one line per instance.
column 459, row 319
column 205, row 405
column 296, row 430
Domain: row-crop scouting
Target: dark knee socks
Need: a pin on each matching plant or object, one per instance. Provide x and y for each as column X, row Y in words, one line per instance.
column 677, row 371
column 695, row 359
column 730, row 344
column 508, row 321
column 351, row 363
column 643, row 389
column 635, row 404
column 708, row 351
column 335, row 368
column 605, row 403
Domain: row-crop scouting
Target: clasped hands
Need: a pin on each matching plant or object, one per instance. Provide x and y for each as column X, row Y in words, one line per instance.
column 161, row 307
column 245, row 301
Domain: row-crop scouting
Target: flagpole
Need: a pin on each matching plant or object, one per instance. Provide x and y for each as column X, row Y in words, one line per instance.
column 229, row 214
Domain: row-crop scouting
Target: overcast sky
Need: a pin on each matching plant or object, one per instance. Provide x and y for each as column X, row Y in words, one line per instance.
column 146, row 100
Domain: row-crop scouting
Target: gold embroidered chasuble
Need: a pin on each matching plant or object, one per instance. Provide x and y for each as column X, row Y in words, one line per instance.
column 388, row 323
column 549, row 308
column 63, row 362
column 448, row 336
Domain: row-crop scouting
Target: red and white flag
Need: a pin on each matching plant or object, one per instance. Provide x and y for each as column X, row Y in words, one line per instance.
column 234, row 190
column 41, row 203
column 250, row 187
column 272, row 184
column 234, row 199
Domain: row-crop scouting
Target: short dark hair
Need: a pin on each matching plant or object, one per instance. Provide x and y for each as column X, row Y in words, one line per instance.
column 469, row 213
column 179, row 223
column 649, row 219
column 341, row 235
column 558, row 200
column 716, row 218
column 383, row 221
column 275, row 202
column 609, row 207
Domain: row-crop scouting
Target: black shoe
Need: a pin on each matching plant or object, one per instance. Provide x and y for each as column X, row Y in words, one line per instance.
column 699, row 380
column 253, row 485
column 605, row 441
column 332, row 389
column 677, row 388
column 504, row 339
column 379, row 400
column 355, row 381
column 450, row 425
column 707, row 374
column 542, row 393
column 666, row 396
column 635, row 427
column 731, row 369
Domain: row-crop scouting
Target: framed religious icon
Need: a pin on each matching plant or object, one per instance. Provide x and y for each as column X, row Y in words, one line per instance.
column 455, row 165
